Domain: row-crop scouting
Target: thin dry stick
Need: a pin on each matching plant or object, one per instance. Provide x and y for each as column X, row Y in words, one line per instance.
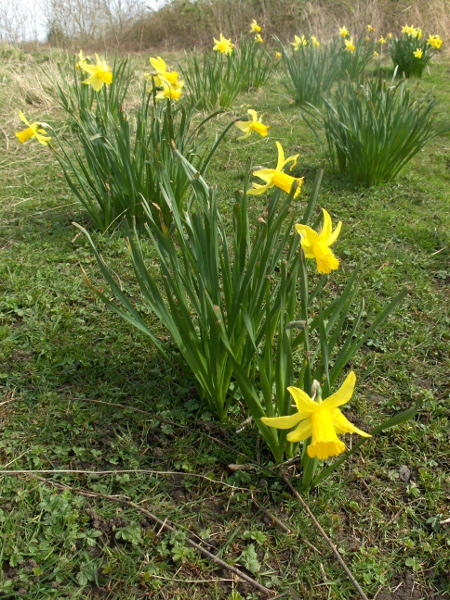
column 276, row 520
column 326, row 538
column 164, row 525
column 113, row 472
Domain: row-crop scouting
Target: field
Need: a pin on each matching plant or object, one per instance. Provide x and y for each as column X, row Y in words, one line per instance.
column 84, row 391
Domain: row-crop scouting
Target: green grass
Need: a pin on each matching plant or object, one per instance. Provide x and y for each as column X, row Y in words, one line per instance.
column 61, row 350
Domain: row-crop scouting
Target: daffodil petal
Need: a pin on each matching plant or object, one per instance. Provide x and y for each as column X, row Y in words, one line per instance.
column 258, row 189
column 253, row 114
column 300, row 433
column 303, row 402
column 23, row 119
column 286, row 422
column 327, row 227
column 334, row 236
column 343, row 395
column 343, row 425
column 281, row 162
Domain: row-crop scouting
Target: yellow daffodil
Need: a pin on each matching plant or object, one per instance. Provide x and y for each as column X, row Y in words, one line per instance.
column 81, row 60
column 276, row 177
column 375, row 54
column 343, row 32
column 32, row 130
column 418, row 53
column 278, row 55
column 254, row 125
column 315, row 41
column 254, row 27
column 408, row 30
column 317, row 245
column 389, row 36
column 100, row 74
column 434, row 41
column 382, row 40
column 259, row 39
column 322, row 421
column 367, row 38
column 161, row 71
column 369, row 28
column 299, row 42
column 169, row 90
column 417, row 33
column 223, row 45
column 349, row 45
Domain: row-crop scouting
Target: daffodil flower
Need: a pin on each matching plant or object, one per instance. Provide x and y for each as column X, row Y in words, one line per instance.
column 100, row 74
column 434, row 41
column 343, row 32
column 317, row 245
column 172, row 91
column 381, row 40
column 322, row 421
column 370, row 28
column 278, row 55
column 254, row 27
column 259, row 39
column 315, row 41
column 349, row 45
column 276, row 177
column 254, row 125
column 32, row 130
column 81, row 60
column 418, row 53
column 299, row 42
column 223, row 45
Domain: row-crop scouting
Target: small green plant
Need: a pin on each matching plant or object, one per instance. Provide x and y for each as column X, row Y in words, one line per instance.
column 212, row 286
column 211, row 80
column 252, row 63
column 310, row 72
column 373, row 130
column 352, row 55
column 411, row 53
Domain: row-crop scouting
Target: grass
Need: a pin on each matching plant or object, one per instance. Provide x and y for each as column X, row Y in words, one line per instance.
column 67, row 363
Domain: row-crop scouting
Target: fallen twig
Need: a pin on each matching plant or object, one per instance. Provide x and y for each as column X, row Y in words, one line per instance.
column 326, row 538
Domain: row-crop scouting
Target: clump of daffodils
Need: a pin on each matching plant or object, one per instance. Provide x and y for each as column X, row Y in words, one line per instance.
column 168, row 84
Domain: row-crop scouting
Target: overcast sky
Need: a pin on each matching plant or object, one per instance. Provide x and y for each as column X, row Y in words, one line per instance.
column 28, row 17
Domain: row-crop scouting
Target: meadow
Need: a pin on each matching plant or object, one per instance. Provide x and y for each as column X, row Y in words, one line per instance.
column 116, row 472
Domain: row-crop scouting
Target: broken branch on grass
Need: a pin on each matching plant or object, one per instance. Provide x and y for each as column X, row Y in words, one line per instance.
column 326, row 538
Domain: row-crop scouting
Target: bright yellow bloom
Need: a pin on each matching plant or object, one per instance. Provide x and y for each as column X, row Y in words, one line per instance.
column 299, row 42
column 32, row 130
column 434, row 41
column 254, row 125
column 100, row 74
column 322, row 421
column 259, row 39
column 409, row 30
column 81, row 60
column 349, row 45
column 254, row 27
column 169, row 90
column 278, row 55
column 381, row 40
column 276, row 177
column 370, row 28
column 223, row 45
column 375, row 54
column 389, row 36
column 317, row 245
column 315, row 41
column 418, row 53
column 161, row 72
column 417, row 33
column 343, row 32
